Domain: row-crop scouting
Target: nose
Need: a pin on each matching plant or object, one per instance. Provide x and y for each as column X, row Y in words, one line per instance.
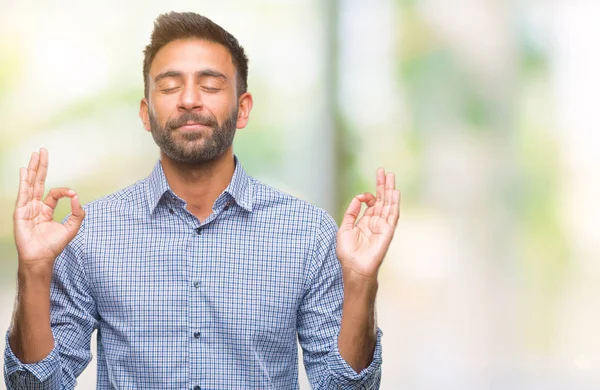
column 190, row 98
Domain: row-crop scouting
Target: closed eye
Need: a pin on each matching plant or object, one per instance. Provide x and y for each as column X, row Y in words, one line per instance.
column 169, row 90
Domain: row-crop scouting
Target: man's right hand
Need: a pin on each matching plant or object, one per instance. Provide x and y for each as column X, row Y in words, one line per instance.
column 40, row 239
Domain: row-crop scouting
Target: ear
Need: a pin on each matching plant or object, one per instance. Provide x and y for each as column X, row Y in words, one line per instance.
column 144, row 115
column 244, row 107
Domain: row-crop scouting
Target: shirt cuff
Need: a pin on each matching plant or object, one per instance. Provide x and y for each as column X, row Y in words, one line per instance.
column 347, row 378
column 41, row 370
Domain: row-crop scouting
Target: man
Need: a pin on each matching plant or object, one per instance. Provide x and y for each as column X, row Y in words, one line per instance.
column 199, row 276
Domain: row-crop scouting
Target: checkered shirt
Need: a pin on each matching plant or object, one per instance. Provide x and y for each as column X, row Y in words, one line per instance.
column 183, row 304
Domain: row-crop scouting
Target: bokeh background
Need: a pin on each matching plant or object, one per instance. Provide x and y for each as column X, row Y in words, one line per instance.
column 487, row 111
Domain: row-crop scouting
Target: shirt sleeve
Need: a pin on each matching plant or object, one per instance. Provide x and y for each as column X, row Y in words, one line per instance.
column 73, row 318
column 320, row 317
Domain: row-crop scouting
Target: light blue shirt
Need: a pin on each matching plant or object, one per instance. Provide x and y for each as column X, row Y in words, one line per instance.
column 183, row 304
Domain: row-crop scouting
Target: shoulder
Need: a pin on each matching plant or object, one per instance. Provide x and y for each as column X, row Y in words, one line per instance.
column 131, row 199
column 277, row 203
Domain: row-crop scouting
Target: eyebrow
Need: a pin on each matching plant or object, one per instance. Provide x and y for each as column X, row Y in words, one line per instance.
column 200, row 73
column 211, row 73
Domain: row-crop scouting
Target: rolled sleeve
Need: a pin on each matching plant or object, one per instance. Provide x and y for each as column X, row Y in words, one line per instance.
column 345, row 376
column 73, row 318
column 44, row 374
column 320, row 317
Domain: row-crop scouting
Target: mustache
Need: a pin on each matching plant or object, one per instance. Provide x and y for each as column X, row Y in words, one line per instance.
column 190, row 117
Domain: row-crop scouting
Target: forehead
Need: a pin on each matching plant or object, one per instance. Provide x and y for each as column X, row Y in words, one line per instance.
column 192, row 55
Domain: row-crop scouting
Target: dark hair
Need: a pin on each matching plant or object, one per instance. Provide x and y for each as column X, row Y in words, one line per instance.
column 184, row 25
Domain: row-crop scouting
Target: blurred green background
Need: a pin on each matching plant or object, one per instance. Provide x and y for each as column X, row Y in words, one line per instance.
column 485, row 110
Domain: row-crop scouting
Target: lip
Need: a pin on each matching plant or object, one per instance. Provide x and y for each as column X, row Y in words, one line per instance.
column 192, row 127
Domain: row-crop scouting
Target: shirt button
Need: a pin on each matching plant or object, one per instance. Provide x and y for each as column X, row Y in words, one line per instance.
column 196, row 387
column 196, row 335
column 226, row 207
column 171, row 211
column 197, row 284
column 198, row 230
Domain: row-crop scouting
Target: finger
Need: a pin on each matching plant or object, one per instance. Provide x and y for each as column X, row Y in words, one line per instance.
column 392, row 219
column 55, row 194
column 31, row 171
column 22, row 197
column 32, row 167
column 370, row 201
column 367, row 198
column 351, row 214
column 390, row 186
column 380, row 190
column 40, row 177
column 73, row 223
column 380, row 183
column 390, row 181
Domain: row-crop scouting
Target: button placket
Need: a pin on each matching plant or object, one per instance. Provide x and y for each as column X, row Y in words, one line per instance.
column 197, row 311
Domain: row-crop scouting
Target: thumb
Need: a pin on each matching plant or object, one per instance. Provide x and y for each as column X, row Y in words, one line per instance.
column 353, row 209
column 351, row 214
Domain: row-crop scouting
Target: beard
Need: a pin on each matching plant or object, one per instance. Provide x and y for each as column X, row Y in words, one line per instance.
column 188, row 150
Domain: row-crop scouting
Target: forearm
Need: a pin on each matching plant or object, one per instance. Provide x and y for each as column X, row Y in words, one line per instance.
column 31, row 338
column 358, row 332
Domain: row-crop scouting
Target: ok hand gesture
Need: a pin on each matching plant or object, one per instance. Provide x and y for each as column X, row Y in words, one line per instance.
column 362, row 244
column 38, row 237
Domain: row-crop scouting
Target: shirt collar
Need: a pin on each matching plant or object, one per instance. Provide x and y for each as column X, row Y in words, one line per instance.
column 240, row 187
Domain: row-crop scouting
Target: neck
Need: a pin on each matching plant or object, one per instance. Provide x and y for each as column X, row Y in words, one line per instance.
column 199, row 185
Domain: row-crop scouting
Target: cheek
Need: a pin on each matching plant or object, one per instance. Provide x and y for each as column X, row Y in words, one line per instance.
column 160, row 110
column 214, row 100
column 221, row 105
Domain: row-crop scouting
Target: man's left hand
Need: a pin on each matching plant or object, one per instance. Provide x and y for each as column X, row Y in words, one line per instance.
column 363, row 242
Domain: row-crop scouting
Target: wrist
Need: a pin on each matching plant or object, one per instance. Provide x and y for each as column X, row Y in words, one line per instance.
column 353, row 277
column 37, row 271
column 359, row 287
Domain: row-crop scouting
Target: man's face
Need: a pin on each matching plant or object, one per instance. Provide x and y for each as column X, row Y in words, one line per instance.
column 192, row 107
